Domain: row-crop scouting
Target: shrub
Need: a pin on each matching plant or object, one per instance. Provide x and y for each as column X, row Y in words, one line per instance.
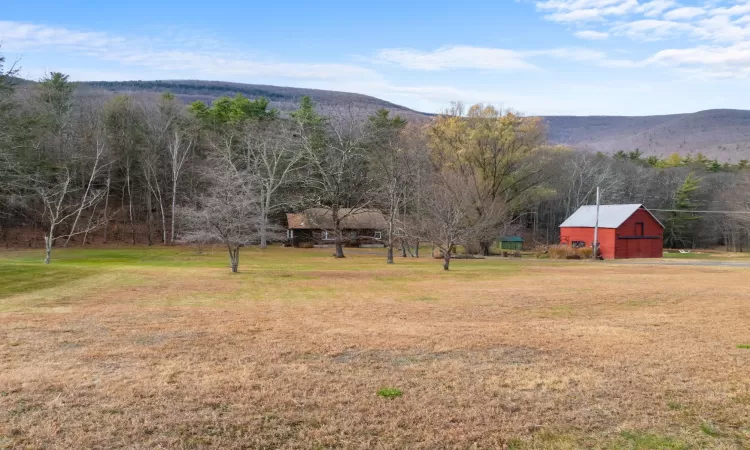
column 541, row 251
column 567, row 252
column 560, row 251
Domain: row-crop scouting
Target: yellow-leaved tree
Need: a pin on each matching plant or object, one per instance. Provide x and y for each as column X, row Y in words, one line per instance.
column 503, row 159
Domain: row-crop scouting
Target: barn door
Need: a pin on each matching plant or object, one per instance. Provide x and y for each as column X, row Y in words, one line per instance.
column 638, row 248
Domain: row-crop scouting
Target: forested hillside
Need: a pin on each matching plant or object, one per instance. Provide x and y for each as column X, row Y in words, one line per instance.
column 281, row 98
column 719, row 133
column 81, row 168
column 722, row 134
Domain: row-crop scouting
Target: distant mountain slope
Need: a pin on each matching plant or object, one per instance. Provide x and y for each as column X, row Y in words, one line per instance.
column 717, row 133
column 720, row 133
column 282, row 98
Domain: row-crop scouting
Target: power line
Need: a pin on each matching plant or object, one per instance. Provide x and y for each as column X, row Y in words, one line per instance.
column 697, row 211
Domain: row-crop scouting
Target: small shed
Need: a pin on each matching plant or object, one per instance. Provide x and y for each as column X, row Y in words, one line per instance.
column 512, row 243
column 625, row 231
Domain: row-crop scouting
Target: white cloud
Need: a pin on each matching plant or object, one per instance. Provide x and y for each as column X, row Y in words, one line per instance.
column 26, row 36
column 656, row 8
column 651, row 29
column 455, row 57
column 733, row 57
column 710, row 38
column 591, row 35
column 575, row 11
column 687, row 12
column 482, row 58
column 169, row 56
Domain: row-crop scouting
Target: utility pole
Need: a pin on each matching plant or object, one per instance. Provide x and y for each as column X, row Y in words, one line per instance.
column 596, row 226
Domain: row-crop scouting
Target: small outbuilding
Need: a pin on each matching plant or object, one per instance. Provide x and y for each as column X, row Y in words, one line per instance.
column 625, row 231
column 511, row 243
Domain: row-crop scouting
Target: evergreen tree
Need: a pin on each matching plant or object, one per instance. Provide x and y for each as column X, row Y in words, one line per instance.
column 678, row 227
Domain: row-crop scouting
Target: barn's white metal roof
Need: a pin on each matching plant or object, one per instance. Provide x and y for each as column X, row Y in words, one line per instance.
column 610, row 216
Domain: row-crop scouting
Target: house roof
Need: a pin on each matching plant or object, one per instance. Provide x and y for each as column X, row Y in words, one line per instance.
column 320, row 219
column 610, row 216
column 511, row 239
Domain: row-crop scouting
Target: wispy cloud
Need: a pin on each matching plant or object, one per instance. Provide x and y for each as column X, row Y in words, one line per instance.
column 170, row 56
column 717, row 32
column 455, row 57
column 482, row 58
column 591, row 35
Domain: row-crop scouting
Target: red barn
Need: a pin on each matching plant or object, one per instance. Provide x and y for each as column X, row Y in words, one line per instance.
column 625, row 231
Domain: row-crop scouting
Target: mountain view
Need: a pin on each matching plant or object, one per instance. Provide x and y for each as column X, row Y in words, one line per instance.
column 508, row 224
column 721, row 134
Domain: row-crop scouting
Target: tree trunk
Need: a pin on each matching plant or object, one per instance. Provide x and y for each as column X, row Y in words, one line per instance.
column 264, row 219
column 403, row 249
column 446, row 259
column 149, row 219
column 48, row 247
column 163, row 223
column 234, row 258
column 130, row 202
column 106, row 206
column 263, row 231
column 88, row 228
column 174, row 207
column 337, row 233
column 339, row 245
column 390, row 253
column 416, row 250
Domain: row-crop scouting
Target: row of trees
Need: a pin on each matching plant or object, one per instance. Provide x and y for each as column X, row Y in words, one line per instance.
column 698, row 162
column 150, row 169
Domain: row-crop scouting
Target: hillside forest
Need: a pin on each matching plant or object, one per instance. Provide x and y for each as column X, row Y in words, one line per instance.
column 79, row 167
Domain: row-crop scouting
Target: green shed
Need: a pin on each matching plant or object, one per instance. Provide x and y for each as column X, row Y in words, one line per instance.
column 511, row 243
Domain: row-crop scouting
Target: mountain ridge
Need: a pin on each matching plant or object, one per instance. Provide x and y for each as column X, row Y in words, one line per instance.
column 717, row 133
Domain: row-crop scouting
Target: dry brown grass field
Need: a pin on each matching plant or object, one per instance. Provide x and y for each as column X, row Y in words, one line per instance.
column 165, row 348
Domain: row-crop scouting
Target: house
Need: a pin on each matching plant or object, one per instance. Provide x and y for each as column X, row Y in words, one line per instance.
column 314, row 226
column 625, row 231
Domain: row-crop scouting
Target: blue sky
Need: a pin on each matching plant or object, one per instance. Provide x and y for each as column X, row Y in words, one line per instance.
column 621, row 57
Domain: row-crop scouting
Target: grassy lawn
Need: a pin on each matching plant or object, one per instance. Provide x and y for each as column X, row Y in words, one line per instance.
column 165, row 348
column 709, row 255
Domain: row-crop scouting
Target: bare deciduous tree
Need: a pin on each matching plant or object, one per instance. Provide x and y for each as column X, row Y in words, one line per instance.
column 446, row 217
column 61, row 205
column 228, row 213
column 337, row 175
column 272, row 157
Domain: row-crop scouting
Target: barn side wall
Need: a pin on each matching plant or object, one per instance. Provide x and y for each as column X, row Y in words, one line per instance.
column 629, row 245
column 585, row 234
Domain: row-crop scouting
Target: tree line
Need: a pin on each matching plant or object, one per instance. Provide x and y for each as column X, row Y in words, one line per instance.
column 149, row 169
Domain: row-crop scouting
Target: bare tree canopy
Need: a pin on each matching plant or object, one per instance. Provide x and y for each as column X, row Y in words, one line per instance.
column 228, row 213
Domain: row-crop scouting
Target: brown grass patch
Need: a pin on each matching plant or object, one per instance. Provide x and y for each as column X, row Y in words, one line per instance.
column 515, row 354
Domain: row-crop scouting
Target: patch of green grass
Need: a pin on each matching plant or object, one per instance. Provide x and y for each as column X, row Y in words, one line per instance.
column 745, row 346
column 691, row 255
column 514, row 444
column 643, row 441
column 390, row 393
column 19, row 278
column 674, row 406
column 709, row 429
